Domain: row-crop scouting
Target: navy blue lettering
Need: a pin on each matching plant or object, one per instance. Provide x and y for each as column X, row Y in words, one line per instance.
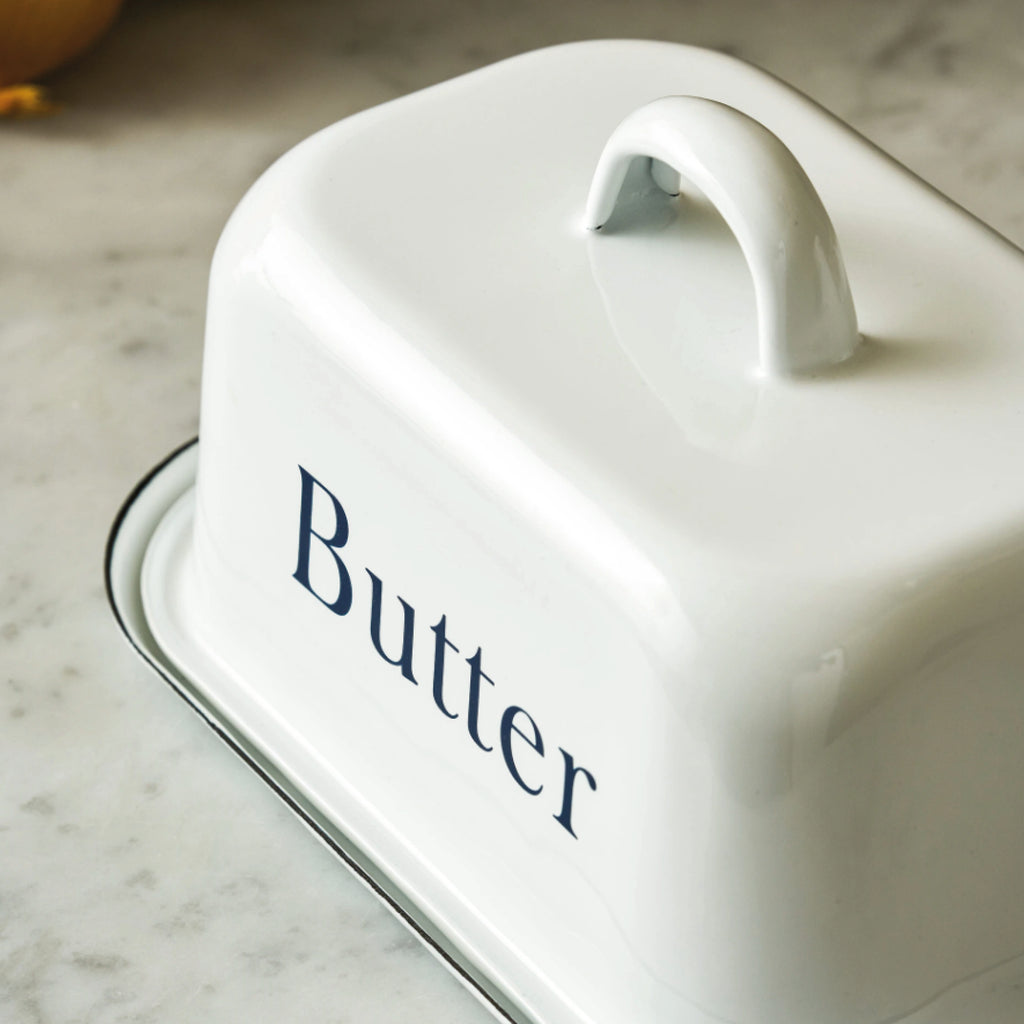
column 343, row 601
column 518, row 735
column 564, row 816
column 408, row 622
column 508, row 727
column 473, row 711
column 441, row 641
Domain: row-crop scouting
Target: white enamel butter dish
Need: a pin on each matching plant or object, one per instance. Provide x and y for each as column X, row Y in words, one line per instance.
column 641, row 614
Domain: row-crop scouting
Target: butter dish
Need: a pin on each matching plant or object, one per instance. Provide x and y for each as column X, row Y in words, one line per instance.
column 606, row 529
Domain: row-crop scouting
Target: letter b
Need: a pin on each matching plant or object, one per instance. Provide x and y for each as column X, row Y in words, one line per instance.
column 343, row 602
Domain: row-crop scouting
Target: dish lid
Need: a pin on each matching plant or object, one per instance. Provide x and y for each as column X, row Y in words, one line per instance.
column 693, row 368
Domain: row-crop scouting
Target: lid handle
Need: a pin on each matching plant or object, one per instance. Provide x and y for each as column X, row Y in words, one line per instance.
column 805, row 315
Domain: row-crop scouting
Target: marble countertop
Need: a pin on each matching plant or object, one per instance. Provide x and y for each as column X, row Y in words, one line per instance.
column 145, row 873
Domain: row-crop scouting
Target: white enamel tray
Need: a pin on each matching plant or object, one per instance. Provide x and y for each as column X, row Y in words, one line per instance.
column 142, row 542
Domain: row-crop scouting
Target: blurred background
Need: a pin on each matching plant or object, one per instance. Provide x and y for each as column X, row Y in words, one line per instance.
column 145, row 875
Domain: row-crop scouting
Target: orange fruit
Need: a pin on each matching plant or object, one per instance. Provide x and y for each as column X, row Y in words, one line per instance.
column 37, row 36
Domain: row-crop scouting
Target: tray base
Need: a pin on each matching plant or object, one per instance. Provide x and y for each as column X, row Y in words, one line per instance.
column 130, row 537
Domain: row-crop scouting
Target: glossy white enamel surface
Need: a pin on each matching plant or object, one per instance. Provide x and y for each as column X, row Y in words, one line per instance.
column 805, row 314
column 777, row 620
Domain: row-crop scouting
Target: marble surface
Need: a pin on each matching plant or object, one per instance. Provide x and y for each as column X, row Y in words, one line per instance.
column 145, row 874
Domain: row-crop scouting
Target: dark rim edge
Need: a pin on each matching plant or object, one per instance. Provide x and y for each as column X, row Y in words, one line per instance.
column 115, row 529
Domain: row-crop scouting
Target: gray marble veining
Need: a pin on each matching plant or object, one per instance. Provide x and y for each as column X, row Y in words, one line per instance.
column 145, row 874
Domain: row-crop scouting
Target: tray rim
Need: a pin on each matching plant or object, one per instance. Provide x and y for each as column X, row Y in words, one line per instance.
column 126, row 546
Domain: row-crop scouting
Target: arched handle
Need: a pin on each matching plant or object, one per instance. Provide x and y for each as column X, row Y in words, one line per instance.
column 805, row 314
